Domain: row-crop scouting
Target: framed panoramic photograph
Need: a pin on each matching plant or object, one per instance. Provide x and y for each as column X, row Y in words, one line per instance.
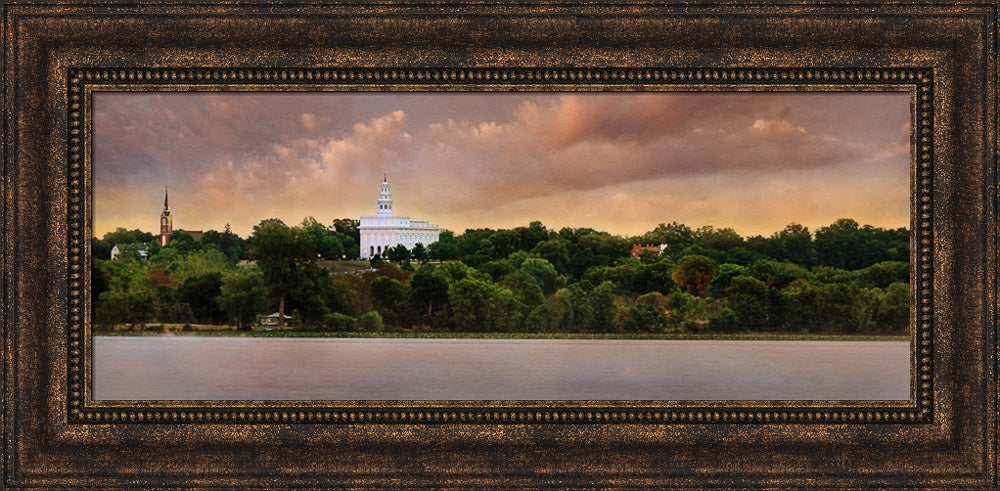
column 640, row 244
column 618, row 297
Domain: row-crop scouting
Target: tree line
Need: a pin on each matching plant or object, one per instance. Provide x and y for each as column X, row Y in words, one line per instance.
column 842, row 278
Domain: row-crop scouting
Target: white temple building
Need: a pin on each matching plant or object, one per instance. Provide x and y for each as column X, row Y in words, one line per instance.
column 383, row 231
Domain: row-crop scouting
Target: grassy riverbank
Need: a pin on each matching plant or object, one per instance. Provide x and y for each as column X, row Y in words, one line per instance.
column 488, row 335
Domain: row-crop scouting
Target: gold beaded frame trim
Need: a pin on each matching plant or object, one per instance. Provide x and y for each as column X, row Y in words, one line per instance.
column 917, row 81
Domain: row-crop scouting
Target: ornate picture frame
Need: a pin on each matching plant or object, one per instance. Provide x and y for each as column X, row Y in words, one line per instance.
column 56, row 54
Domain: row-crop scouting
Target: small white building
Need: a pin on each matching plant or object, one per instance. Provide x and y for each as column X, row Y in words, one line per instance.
column 120, row 248
column 271, row 319
column 384, row 230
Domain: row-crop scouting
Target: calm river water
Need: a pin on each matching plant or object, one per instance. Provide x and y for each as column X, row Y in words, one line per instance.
column 224, row 368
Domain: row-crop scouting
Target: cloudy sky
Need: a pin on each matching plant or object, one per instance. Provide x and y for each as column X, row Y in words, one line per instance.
column 620, row 162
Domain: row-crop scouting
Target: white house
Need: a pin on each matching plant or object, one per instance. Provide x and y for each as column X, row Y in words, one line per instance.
column 120, row 248
column 384, row 230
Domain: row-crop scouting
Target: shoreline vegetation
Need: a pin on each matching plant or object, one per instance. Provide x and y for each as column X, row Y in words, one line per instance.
column 844, row 280
column 289, row 333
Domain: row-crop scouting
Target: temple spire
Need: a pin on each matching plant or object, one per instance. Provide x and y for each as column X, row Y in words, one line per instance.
column 165, row 207
column 385, row 197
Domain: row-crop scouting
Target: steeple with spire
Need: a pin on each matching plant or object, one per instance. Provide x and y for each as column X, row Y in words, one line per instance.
column 166, row 221
column 385, row 197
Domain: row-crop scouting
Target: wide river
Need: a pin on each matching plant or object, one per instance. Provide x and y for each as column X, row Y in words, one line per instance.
column 229, row 368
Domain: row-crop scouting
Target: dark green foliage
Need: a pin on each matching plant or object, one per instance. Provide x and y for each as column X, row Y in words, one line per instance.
column 429, row 294
column 202, row 293
column 555, row 251
column 717, row 287
column 694, row 273
column 279, row 251
column 242, row 296
column 398, row 254
column 371, row 322
column 100, row 249
column 446, row 247
column 725, row 321
column 123, row 236
column 777, row 274
column 389, row 299
column 337, row 322
column 497, row 269
column 419, row 253
column 169, row 308
column 845, row 278
column 182, row 241
column 747, row 297
column 883, row 274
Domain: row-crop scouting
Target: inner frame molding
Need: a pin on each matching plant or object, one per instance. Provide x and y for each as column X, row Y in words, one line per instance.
column 81, row 82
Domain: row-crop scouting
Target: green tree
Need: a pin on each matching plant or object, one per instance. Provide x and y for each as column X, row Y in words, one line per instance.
column 429, row 292
column 202, row 293
column 479, row 305
column 883, row 274
column 445, row 248
column 839, row 308
column 721, row 239
column 419, row 253
column 389, row 299
column 279, row 251
column 210, row 238
column 141, row 308
column 398, row 254
column 794, row 244
column 100, row 249
column 169, row 308
column 544, row 272
column 577, row 314
column 531, row 235
column 894, row 312
column 112, row 309
column 327, row 245
column 694, row 273
column 543, row 318
column 242, row 296
column 676, row 235
column 777, row 274
column 371, row 322
column 182, row 241
column 717, row 287
column 555, row 251
column 122, row 236
column 602, row 304
column 747, row 297
column 653, row 277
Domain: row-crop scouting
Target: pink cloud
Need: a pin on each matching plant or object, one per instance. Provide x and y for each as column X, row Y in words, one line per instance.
column 473, row 160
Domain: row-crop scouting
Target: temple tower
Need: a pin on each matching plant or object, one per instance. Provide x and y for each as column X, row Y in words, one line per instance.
column 384, row 197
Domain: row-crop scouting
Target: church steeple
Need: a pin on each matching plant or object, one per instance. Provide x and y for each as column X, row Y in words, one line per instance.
column 384, row 197
column 166, row 221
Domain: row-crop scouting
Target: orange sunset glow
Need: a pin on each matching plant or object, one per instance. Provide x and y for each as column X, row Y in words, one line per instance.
column 618, row 162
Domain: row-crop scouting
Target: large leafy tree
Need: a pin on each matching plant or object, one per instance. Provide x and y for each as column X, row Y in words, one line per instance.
column 201, row 293
column 747, row 297
column 122, row 236
column 419, row 253
column 694, row 273
column 389, row 299
column 279, row 251
column 242, row 296
column 398, row 254
column 429, row 291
